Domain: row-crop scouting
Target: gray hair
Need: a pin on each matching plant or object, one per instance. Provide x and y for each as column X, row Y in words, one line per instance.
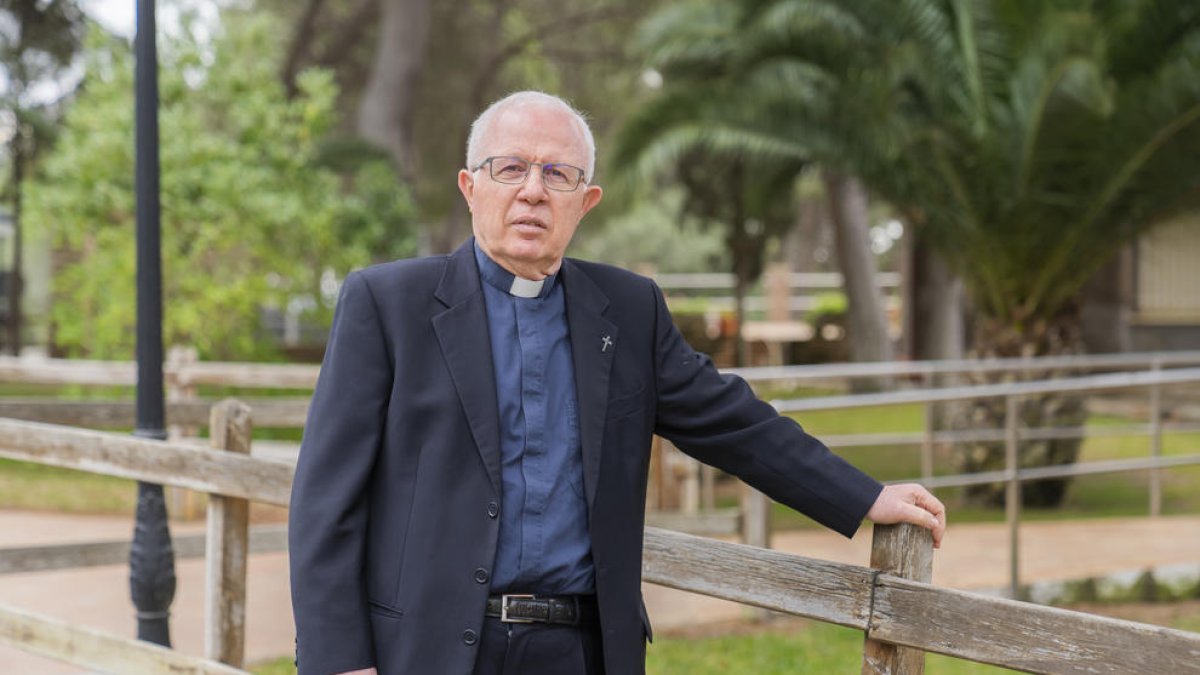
column 482, row 125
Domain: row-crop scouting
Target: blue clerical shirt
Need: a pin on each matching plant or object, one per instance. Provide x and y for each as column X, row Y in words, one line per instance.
column 544, row 543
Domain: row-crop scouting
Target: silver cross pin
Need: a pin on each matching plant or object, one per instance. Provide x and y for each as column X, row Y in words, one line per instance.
column 606, row 343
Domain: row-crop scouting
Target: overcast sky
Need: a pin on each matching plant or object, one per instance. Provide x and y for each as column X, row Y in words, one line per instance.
column 118, row 15
column 115, row 15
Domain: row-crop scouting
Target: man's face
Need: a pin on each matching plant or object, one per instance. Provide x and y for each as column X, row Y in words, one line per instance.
column 526, row 227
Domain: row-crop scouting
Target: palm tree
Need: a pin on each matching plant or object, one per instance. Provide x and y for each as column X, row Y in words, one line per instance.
column 1028, row 141
column 702, row 128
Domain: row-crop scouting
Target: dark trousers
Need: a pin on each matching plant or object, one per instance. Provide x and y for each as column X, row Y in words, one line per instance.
column 538, row 649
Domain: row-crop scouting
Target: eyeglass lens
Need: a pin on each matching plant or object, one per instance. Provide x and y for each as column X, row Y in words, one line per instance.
column 555, row 176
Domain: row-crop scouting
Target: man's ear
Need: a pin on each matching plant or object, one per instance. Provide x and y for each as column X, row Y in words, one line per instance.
column 466, row 185
column 591, row 197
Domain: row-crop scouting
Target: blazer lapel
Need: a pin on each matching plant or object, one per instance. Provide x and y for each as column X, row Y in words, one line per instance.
column 594, row 343
column 468, row 353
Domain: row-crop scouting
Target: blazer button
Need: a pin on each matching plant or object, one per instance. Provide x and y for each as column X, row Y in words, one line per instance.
column 493, row 509
column 469, row 637
column 481, row 575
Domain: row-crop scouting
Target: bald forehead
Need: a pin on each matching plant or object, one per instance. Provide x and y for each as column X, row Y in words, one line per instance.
column 551, row 124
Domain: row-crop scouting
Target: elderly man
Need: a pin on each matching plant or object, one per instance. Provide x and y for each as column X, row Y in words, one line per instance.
column 469, row 496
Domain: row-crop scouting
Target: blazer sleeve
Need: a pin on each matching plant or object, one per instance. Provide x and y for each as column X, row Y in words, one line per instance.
column 719, row 420
column 327, row 521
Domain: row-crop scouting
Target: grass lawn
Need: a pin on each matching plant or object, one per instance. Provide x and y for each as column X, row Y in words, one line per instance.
column 1097, row 496
column 817, row 649
column 37, row 487
column 811, row 649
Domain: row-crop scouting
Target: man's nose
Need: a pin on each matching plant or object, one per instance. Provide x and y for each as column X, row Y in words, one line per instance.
column 533, row 190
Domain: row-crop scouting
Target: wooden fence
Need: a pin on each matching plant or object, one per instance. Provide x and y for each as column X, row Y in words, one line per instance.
column 900, row 614
column 698, row 513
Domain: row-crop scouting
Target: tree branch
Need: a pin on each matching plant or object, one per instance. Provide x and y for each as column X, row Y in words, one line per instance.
column 306, row 29
column 365, row 14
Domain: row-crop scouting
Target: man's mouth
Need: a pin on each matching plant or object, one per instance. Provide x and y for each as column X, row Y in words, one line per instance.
column 529, row 222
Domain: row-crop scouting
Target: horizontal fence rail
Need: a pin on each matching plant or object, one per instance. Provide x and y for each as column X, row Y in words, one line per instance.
column 304, row 376
column 978, row 628
column 724, row 280
column 1059, row 386
column 834, row 371
column 180, row 464
column 124, row 373
column 50, row 557
column 886, row 607
column 1026, row 637
column 268, row 412
column 97, row 651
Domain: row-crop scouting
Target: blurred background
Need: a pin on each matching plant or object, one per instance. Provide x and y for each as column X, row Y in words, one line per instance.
column 810, row 182
column 938, row 179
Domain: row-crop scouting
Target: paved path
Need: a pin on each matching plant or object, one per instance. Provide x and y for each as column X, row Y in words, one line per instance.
column 973, row 557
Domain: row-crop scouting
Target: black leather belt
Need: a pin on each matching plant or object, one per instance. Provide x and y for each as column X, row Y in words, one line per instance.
column 568, row 610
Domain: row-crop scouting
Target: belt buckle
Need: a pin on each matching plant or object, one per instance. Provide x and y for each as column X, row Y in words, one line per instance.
column 504, row 617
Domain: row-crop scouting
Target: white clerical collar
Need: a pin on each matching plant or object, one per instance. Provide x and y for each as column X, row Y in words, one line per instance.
column 507, row 282
column 524, row 288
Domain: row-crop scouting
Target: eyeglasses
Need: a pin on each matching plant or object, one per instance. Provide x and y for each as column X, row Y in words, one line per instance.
column 514, row 171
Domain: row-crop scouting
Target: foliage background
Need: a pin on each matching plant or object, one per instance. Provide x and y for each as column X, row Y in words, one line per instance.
column 250, row 216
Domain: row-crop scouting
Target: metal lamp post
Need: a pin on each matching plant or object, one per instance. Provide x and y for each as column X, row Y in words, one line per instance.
column 151, row 558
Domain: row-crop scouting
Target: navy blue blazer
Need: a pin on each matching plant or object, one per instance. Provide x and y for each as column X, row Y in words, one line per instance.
column 394, row 514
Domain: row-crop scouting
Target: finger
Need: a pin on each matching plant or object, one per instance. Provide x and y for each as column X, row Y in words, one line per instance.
column 930, row 503
column 919, row 516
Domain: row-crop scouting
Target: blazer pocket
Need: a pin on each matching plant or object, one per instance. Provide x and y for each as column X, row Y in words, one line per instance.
column 384, row 610
column 626, row 404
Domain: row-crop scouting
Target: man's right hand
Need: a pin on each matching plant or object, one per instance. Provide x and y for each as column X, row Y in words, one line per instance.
column 910, row 503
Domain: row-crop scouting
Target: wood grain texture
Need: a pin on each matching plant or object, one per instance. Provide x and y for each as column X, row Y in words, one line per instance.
column 227, row 551
column 251, row 375
column 1024, row 636
column 906, row 551
column 827, row 591
column 16, row 560
column 96, row 651
column 244, row 375
column 708, row 524
column 756, row 517
column 151, row 461
column 276, row 412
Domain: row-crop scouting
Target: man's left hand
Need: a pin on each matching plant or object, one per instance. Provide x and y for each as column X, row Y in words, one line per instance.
column 910, row 503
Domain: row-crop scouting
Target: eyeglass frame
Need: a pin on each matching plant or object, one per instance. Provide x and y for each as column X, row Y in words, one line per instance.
column 491, row 173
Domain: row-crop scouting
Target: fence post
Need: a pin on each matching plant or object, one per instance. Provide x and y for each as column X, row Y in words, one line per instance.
column 927, row 445
column 756, row 518
column 184, row 503
column 756, row 531
column 1156, row 415
column 1012, row 495
column 708, row 488
column 690, row 500
column 905, row 551
column 226, row 549
column 654, row 487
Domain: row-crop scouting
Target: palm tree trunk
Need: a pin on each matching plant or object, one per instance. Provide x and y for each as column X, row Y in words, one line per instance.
column 866, row 318
column 385, row 115
column 1059, row 336
column 933, row 303
column 15, row 274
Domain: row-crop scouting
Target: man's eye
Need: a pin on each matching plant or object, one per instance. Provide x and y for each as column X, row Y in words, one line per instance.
column 510, row 169
column 553, row 173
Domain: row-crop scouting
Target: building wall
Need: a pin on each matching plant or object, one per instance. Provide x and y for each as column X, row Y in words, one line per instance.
column 1167, row 297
